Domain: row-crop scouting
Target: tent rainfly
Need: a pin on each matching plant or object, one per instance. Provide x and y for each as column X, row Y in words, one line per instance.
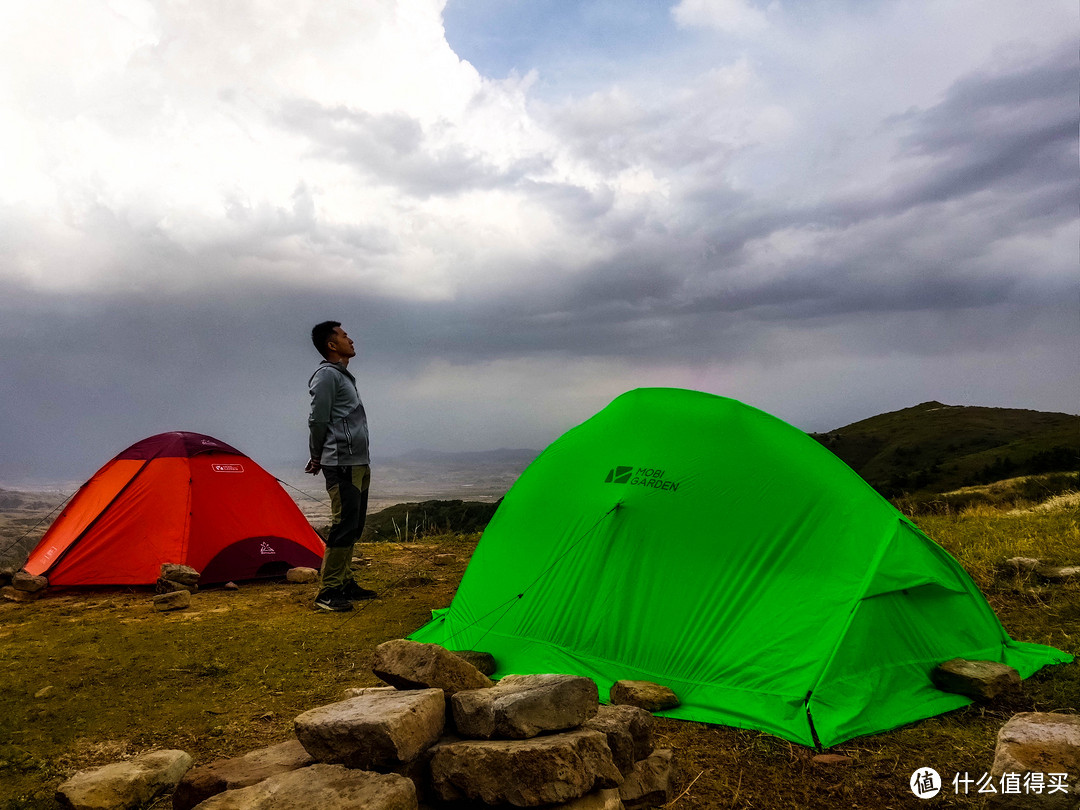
column 690, row 540
column 176, row 498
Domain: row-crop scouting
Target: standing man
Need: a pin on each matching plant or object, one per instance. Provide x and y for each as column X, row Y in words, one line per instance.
column 338, row 446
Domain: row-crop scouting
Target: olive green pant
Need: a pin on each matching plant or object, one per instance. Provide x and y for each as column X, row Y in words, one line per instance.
column 348, row 490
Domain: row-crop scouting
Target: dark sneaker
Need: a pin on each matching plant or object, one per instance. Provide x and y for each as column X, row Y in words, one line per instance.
column 329, row 599
column 350, row 590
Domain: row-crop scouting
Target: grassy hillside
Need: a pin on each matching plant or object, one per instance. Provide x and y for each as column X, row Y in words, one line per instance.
column 938, row 448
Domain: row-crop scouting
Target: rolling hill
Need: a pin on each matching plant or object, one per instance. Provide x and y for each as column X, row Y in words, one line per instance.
column 940, row 447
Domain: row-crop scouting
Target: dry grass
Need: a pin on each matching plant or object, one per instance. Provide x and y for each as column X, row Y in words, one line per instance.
column 230, row 674
column 1067, row 500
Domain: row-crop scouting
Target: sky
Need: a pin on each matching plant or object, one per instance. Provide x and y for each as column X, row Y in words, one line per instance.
column 520, row 210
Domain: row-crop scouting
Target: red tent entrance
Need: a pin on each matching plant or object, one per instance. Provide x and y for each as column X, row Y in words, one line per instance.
column 176, row 498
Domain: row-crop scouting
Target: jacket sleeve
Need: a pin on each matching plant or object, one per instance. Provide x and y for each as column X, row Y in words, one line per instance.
column 322, row 400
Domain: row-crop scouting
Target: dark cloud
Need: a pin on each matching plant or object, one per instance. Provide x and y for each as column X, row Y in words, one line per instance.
column 120, row 322
column 1011, row 132
column 393, row 148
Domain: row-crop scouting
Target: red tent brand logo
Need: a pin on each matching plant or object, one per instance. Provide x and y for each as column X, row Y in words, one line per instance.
column 227, row 468
column 652, row 477
column 266, row 548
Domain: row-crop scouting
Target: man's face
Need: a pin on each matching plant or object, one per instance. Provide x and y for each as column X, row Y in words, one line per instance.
column 341, row 343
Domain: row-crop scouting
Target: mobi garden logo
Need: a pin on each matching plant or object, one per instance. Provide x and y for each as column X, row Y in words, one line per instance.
column 652, row 477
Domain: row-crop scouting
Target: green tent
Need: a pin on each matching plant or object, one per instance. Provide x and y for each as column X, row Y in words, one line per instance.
column 690, row 540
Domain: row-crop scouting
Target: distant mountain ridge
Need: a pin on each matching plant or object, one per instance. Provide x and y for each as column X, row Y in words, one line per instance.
column 502, row 455
column 933, row 446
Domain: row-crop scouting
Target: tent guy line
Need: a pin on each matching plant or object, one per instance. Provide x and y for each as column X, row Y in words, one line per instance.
column 26, row 534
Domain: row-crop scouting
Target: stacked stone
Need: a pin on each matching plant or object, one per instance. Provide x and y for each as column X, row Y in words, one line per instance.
column 174, row 587
column 24, row 587
column 443, row 735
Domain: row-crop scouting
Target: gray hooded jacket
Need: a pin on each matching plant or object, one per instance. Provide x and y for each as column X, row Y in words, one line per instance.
column 338, row 430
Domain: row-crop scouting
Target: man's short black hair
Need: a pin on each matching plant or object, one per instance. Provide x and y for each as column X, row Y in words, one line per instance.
column 321, row 334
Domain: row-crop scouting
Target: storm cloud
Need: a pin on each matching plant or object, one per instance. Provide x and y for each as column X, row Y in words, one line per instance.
column 825, row 215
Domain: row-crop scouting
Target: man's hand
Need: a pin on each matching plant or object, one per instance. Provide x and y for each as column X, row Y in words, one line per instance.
column 313, row 467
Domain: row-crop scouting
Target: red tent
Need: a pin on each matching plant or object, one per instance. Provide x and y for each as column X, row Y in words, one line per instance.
column 176, row 498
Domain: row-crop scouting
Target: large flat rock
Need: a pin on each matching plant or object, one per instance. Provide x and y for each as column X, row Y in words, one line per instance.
column 320, row 787
column 523, row 706
column 652, row 697
column 979, row 680
column 123, row 785
column 376, row 731
column 412, row 665
column 525, row 773
column 208, row 780
column 1038, row 743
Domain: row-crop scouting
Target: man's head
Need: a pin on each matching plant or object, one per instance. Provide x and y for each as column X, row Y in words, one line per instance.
column 332, row 342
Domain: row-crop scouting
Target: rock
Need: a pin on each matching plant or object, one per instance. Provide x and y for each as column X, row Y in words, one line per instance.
column 649, row 783
column 358, row 691
column 376, row 731
column 123, row 785
column 302, row 575
column 629, row 733
column 44, row 693
column 597, row 800
column 231, row 586
column 320, row 787
column 419, row 771
column 13, row 594
column 412, row 665
column 1064, row 573
column 485, row 662
column 1020, row 565
column 526, row 773
column 1044, row 743
column 29, row 583
column 522, row 706
column 205, row 781
column 444, row 559
column 177, row 600
column 184, row 574
column 651, row 697
column 170, row 586
column 979, row 680
column 6, row 573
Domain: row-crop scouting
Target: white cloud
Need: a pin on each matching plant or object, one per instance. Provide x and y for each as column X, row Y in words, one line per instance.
column 169, row 119
column 844, row 195
column 731, row 16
